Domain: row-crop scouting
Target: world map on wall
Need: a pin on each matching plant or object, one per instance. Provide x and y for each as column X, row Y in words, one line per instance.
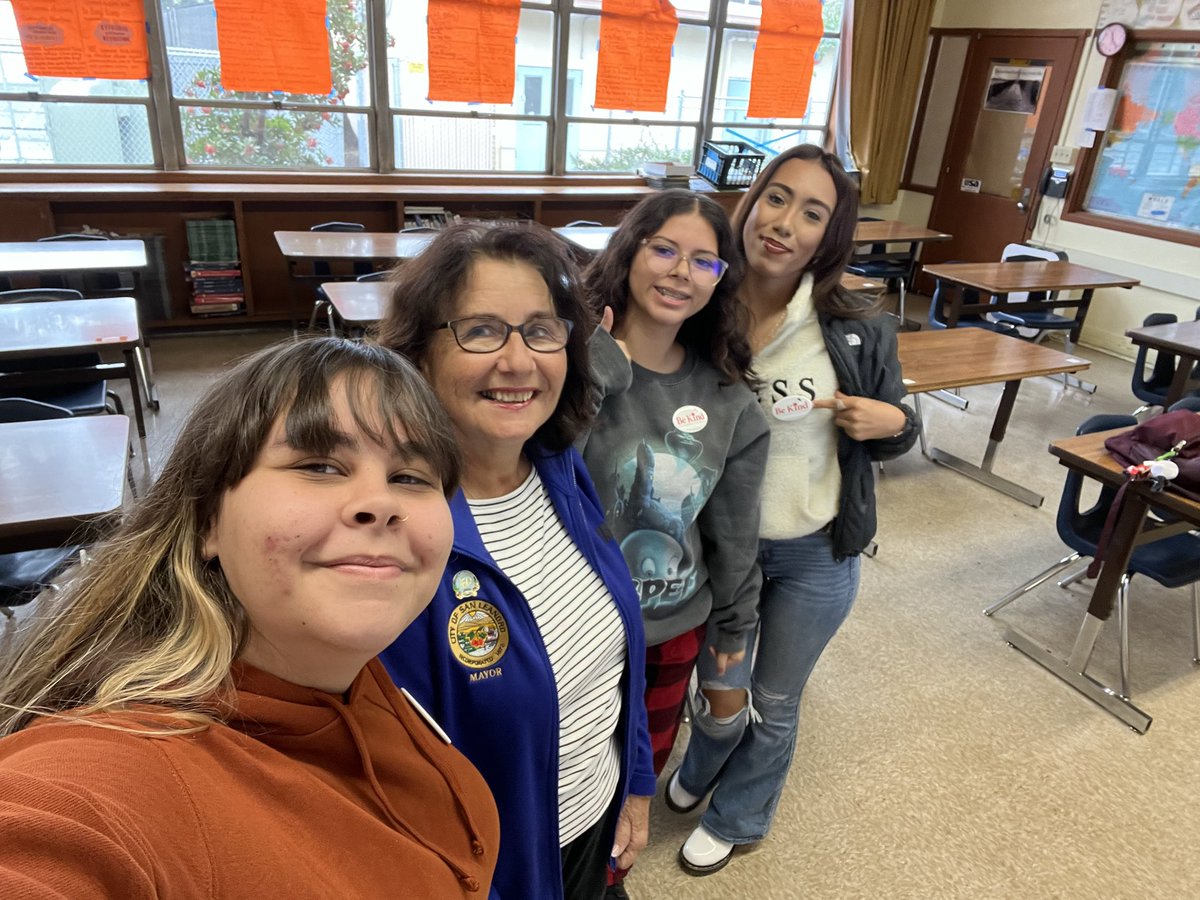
column 1149, row 168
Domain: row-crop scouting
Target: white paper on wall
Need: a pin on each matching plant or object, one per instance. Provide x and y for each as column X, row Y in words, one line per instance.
column 1158, row 13
column 1099, row 109
column 1123, row 11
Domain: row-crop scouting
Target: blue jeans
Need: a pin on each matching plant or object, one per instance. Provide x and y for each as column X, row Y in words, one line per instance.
column 806, row 596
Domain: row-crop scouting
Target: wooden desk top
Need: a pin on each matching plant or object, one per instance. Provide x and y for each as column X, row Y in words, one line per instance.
column 888, row 231
column 592, row 238
column 1180, row 337
column 351, row 244
column 1086, row 453
column 959, row 357
column 68, row 326
column 1006, row 277
column 359, row 302
column 58, row 475
column 862, row 285
column 71, row 256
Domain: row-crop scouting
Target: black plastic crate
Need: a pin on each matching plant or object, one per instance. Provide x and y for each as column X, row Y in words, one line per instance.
column 729, row 164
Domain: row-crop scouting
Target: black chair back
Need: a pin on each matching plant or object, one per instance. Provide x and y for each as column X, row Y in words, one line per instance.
column 18, row 409
column 39, row 295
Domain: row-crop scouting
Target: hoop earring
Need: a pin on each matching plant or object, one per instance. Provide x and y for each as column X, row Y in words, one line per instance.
column 405, row 518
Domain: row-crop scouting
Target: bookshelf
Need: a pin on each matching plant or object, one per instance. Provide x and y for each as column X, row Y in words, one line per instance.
column 162, row 209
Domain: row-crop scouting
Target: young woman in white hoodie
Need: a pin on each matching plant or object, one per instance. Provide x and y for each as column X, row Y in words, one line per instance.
column 831, row 389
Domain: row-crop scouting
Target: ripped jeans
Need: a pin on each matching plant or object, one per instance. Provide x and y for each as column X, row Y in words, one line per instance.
column 806, row 596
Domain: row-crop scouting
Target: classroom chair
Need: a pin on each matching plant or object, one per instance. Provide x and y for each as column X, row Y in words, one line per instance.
column 892, row 268
column 1172, row 562
column 1152, row 390
column 26, row 574
column 80, row 399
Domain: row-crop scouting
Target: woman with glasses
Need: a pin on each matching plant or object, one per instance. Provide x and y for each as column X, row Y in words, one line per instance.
column 678, row 448
column 531, row 653
column 831, row 386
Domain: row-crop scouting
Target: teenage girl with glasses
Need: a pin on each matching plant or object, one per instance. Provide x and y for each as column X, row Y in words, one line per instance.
column 678, row 448
column 832, row 389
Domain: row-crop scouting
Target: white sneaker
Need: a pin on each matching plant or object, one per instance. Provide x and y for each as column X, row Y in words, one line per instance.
column 703, row 853
column 677, row 799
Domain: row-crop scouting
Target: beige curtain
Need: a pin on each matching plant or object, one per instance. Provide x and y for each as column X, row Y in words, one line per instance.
column 887, row 50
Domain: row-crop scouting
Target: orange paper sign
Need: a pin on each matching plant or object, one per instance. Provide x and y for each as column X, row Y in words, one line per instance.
column 635, row 54
column 267, row 47
column 473, row 50
column 97, row 39
column 784, row 58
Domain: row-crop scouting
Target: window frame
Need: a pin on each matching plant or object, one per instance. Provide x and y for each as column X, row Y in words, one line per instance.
column 165, row 111
column 1073, row 206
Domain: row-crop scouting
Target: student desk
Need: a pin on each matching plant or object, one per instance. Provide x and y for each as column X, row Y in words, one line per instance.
column 589, row 238
column 357, row 304
column 300, row 247
column 59, row 477
column 58, row 327
column 18, row 257
column 1180, row 338
column 999, row 279
column 960, row 357
column 1086, row 454
column 31, row 257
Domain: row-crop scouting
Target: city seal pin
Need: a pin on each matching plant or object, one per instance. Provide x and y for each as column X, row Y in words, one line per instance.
column 464, row 584
column 478, row 634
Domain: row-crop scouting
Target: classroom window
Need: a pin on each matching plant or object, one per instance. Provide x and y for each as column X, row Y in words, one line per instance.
column 68, row 121
column 378, row 117
column 1144, row 174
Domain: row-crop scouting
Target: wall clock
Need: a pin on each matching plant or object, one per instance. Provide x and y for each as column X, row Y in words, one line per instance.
column 1111, row 38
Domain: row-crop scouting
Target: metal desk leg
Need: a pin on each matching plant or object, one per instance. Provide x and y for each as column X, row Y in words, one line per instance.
column 136, row 390
column 141, row 355
column 953, row 399
column 983, row 473
column 1073, row 669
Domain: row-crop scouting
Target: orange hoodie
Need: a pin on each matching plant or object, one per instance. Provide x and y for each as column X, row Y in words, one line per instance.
column 303, row 794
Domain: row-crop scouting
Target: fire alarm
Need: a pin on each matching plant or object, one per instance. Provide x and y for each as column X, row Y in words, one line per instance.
column 1111, row 38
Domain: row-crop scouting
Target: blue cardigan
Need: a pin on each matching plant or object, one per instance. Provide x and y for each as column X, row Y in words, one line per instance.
column 476, row 661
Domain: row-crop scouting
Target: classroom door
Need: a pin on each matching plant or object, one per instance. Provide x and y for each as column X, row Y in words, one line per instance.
column 1011, row 104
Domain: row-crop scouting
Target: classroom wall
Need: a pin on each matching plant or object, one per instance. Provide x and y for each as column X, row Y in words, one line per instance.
column 1170, row 271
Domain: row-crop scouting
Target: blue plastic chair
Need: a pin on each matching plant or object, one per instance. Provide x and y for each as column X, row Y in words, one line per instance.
column 1172, row 562
column 1001, row 323
column 1152, row 390
column 893, row 268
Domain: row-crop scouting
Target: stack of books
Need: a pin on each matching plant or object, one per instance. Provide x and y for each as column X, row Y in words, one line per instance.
column 428, row 217
column 667, row 174
column 214, row 268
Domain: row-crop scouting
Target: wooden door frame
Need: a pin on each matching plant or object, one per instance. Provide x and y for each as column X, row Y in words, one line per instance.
column 1081, row 37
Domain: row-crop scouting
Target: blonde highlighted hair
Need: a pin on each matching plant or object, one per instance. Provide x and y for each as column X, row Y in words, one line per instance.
column 148, row 624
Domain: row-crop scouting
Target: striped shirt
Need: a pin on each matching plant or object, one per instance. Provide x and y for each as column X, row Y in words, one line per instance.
column 584, row 639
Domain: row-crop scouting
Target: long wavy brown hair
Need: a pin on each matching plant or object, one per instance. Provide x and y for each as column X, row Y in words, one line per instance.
column 719, row 332
column 837, row 246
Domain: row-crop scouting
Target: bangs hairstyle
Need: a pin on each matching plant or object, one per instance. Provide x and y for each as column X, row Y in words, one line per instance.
column 719, row 332
column 837, row 246
column 148, row 623
column 426, row 291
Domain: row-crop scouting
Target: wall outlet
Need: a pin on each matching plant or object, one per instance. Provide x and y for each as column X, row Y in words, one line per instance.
column 1063, row 155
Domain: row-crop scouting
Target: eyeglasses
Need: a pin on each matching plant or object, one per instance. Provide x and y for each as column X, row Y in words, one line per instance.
column 487, row 334
column 662, row 257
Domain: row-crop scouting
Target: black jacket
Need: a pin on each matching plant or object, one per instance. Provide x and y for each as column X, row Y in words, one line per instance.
column 866, row 367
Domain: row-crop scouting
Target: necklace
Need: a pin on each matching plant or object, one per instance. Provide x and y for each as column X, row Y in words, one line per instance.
column 778, row 323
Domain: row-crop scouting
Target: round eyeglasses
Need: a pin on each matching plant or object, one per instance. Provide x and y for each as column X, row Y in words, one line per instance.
column 662, row 257
column 487, row 334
